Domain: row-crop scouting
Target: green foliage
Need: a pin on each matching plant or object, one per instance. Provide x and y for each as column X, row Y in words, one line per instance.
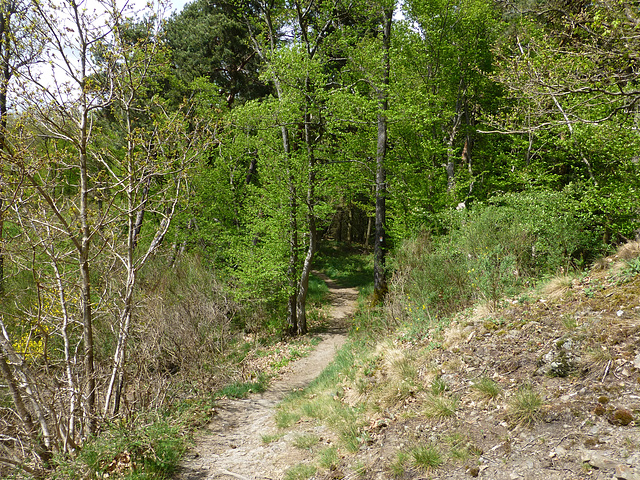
column 136, row 448
column 425, row 457
column 525, row 406
column 487, row 388
column 630, row 270
column 302, row 471
column 243, row 389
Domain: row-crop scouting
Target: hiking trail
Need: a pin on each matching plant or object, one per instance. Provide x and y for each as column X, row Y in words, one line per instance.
column 232, row 446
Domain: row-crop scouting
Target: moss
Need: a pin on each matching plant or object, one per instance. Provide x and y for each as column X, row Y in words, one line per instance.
column 621, row 417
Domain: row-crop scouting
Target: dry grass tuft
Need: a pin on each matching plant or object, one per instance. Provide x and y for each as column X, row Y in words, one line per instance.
column 453, row 336
column 628, row 251
column 558, row 287
column 481, row 312
column 397, row 364
column 398, row 374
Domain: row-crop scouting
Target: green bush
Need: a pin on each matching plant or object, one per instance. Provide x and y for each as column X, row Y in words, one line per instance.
column 491, row 250
column 131, row 449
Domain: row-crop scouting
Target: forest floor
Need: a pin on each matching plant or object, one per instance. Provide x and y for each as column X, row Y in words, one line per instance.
column 233, row 445
column 543, row 386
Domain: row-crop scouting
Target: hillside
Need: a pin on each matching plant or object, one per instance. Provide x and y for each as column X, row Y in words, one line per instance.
column 546, row 385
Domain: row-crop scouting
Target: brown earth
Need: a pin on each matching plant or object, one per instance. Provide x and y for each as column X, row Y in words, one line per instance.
column 575, row 345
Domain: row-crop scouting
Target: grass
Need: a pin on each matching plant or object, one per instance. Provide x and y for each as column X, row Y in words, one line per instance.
column 525, row 406
column 328, row 458
column 318, row 290
column 243, row 389
column 438, row 387
column 140, row 447
column 306, row 441
column 600, row 355
column 321, row 400
column 487, row 388
column 302, row 471
column 345, row 265
column 440, row 407
column 399, row 465
column 360, row 469
column 426, row 457
column 460, row 447
column 285, row 419
column 270, row 438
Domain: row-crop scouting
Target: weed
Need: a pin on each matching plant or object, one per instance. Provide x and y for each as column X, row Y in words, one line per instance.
column 525, row 406
column 302, row 471
column 440, row 407
column 329, row 458
column 425, row 457
column 269, row 438
column 486, row 388
column 399, row 465
column 306, row 441
column 285, row 419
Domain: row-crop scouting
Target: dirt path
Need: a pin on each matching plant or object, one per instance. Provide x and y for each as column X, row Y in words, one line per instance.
column 231, row 447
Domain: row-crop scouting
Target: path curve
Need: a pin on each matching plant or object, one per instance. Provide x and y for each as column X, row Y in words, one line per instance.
column 231, row 447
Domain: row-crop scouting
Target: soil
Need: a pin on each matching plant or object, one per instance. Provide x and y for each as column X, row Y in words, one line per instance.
column 232, row 446
column 576, row 347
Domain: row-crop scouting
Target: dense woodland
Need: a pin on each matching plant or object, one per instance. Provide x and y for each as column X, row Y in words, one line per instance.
column 235, row 137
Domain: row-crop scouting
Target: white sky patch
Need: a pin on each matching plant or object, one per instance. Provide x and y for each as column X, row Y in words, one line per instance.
column 61, row 65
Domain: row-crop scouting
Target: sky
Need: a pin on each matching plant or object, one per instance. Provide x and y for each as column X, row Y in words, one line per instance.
column 48, row 72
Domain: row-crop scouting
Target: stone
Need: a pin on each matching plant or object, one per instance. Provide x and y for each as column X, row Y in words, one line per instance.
column 634, row 460
column 623, row 472
column 597, row 460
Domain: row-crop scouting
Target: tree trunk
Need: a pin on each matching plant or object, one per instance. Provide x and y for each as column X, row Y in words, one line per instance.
column 311, row 220
column 292, row 315
column 380, row 245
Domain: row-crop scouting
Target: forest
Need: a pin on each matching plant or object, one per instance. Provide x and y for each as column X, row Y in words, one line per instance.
column 169, row 179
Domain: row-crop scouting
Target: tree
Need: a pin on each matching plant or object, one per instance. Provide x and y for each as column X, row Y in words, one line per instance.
column 210, row 39
column 85, row 179
column 20, row 46
column 295, row 70
column 571, row 70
